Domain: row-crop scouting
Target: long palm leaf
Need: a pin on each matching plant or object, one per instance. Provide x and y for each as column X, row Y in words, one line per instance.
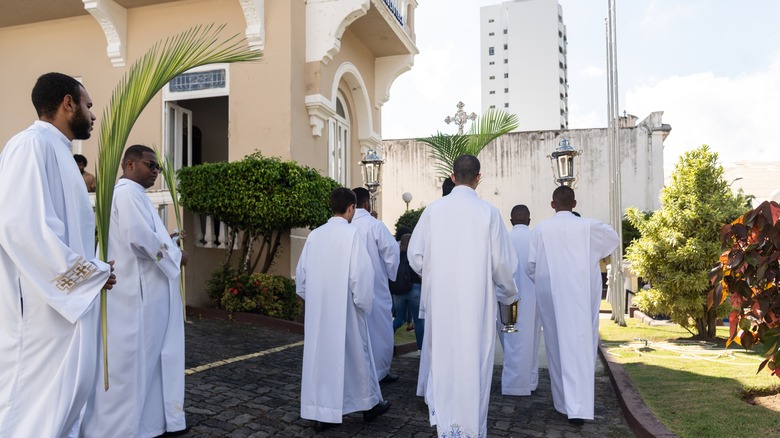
column 145, row 78
column 445, row 149
column 169, row 175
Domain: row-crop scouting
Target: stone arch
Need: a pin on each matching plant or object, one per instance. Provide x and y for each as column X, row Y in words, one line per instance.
column 362, row 103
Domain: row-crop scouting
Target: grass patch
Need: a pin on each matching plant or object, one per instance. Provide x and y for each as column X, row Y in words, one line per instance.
column 403, row 337
column 605, row 306
column 696, row 389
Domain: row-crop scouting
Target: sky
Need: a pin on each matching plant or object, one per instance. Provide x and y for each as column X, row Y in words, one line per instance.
column 712, row 67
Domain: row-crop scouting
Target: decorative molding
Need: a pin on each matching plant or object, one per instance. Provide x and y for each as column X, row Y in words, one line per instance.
column 112, row 18
column 320, row 110
column 254, row 14
column 373, row 141
column 386, row 70
column 350, row 74
column 326, row 21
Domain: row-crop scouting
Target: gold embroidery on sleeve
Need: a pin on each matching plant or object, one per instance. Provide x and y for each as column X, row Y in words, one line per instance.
column 78, row 273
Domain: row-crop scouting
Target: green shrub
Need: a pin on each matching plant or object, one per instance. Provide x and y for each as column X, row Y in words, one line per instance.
column 409, row 219
column 263, row 197
column 270, row 295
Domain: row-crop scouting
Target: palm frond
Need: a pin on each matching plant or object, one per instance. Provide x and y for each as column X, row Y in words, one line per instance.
column 488, row 127
column 144, row 79
column 169, row 175
column 445, row 148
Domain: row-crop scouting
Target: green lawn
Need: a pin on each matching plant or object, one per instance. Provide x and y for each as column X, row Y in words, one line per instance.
column 696, row 389
column 402, row 336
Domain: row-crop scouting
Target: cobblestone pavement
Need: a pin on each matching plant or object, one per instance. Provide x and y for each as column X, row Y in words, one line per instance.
column 259, row 395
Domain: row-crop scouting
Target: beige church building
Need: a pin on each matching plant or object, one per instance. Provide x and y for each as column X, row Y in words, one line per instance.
column 315, row 97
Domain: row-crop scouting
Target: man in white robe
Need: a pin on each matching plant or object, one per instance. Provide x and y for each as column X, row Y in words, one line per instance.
column 385, row 257
column 520, row 374
column 49, row 276
column 146, row 323
column 563, row 259
column 335, row 279
column 462, row 251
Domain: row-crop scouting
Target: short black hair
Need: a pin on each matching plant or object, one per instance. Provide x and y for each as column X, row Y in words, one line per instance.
column 361, row 195
column 340, row 200
column 50, row 90
column 563, row 197
column 446, row 186
column 136, row 152
column 466, row 169
column 520, row 212
column 80, row 159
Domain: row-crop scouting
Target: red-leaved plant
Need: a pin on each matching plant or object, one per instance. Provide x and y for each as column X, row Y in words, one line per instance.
column 748, row 274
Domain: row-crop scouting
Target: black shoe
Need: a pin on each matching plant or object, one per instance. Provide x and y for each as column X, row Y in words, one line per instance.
column 376, row 411
column 321, row 426
column 576, row 421
column 389, row 378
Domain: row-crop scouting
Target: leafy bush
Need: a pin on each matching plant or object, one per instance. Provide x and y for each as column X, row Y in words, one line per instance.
column 409, row 219
column 749, row 274
column 680, row 243
column 262, row 197
column 270, row 295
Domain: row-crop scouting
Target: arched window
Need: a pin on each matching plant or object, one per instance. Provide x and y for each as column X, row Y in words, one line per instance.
column 338, row 143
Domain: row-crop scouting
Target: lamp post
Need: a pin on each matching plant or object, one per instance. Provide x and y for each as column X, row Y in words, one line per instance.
column 407, row 197
column 562, row 163
column 372, row 167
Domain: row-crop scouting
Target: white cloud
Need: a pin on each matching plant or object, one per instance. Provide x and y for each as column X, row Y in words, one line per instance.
column 734, row 115
column 592, row 71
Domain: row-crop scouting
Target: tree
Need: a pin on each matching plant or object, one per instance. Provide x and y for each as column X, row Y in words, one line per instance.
column 447, row 148
column 262, row 197
column 680, row 242
column 749, row 274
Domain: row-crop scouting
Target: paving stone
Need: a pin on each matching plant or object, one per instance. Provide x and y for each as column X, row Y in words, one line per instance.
column 260, row 397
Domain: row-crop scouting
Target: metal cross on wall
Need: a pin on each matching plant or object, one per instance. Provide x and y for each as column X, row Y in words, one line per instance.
column 460, row 118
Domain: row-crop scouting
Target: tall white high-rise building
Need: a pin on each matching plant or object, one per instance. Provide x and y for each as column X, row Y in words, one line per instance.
column 523, row 62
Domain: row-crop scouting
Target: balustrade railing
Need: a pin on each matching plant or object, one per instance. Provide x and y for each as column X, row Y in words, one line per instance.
column 395, row 8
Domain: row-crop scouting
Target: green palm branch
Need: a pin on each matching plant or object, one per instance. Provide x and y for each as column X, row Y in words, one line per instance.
column 169, row 175
column 445, row 149
column 145, row 78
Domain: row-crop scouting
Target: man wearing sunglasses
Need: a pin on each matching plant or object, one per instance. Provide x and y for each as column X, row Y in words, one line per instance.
column 146, row 325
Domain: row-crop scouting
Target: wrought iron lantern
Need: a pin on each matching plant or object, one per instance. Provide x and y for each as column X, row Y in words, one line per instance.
column 562, row 163
column 372, row 168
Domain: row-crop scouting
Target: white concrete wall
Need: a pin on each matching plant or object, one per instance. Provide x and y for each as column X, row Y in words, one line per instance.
column 516, row 170
column 535, row 51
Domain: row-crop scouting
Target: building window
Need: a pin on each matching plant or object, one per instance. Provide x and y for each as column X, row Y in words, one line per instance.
column 505, row 31
column 492, row 63
column 492, row 91
column 506, row 75
column 506, row 104
column 492, row 77
column 491, row 20
column 491, row 33
column 492, row 107
column 506, row 61
column 506, row 46
column 491, row 51
column 202, row 80
column 506, row 90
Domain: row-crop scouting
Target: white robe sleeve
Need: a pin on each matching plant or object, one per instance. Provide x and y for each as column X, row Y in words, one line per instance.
column 33, row 236
column 137, row 227
column 300, row 272
column 361, row 275
column 389, row 251
column 416, row 247
column 503, row 260
column 533, row 244
column 603, row 239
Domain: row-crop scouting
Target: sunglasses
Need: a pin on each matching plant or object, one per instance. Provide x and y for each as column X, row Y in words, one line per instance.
column 151, row 165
